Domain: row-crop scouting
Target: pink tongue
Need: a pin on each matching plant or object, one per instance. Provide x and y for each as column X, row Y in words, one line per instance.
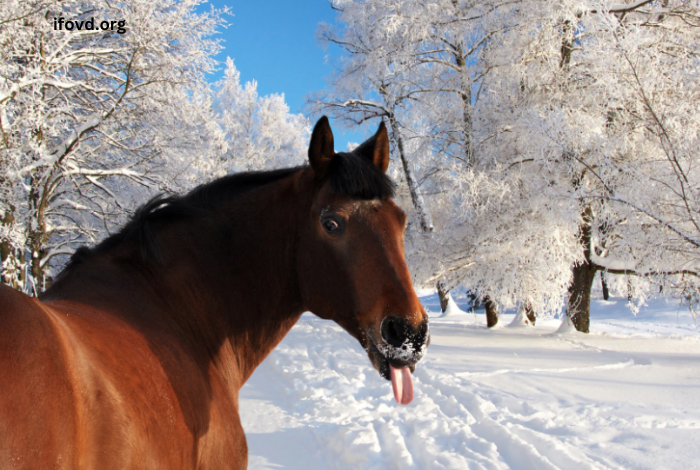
column 402, row 383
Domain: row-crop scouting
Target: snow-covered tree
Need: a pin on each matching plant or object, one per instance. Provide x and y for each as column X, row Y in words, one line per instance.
column 259, row 131
column 552, row 140
column 93, row 119
column 606, row 100
column 422, row 67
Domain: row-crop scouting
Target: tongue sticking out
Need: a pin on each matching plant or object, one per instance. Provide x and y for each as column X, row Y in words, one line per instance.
column 402, row 383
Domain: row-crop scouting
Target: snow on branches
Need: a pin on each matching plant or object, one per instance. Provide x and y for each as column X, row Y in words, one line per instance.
column 550, row 140
column 259, row 131
column 94, row 122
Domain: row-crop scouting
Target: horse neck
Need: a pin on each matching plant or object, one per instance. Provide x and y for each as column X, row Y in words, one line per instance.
column 227, row 283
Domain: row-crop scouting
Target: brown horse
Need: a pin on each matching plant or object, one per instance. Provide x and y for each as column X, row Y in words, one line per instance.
column 135, row 356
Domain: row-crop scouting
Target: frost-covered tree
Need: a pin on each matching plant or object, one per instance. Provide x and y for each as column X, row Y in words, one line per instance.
column 422, row 67
column 552, row 140
column 607, row 93
column 92, row 120
column 259, row 131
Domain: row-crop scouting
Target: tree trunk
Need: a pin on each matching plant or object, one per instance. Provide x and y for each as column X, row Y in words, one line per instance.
column 579, row 304
column 8, row 266
column 491, row 312
column 606, row 292
column 567, row 44
column 465, row 93
column 426, row 225
column 22, row 270
column 578, row 307
column 443, row 294
column 529, row 312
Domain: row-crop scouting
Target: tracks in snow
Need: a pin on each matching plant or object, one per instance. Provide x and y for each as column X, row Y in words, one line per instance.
column 321, row 378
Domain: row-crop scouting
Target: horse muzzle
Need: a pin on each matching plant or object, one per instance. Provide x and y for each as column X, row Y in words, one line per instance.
column 395, row 355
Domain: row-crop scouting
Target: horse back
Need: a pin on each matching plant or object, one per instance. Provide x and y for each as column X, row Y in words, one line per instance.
column 37, row 421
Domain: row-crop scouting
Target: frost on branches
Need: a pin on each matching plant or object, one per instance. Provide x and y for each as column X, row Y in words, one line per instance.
column 92, row 122
column 259, row 131
column 609, row 93
column 550, row 141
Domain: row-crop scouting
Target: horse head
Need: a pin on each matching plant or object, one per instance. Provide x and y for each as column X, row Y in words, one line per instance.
column 351, row 259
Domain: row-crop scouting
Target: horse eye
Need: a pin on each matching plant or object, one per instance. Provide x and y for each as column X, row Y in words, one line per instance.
column 331, row 225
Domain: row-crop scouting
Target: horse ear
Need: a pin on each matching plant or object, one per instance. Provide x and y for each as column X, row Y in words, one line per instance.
column 376, row 148
column 321, row 147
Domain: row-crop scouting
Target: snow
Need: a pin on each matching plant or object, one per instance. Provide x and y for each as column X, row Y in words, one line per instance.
column 452, row 308
column 624, row 396
column 616, row 265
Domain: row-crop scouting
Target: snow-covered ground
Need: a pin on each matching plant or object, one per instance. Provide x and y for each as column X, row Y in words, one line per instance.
column 625, row 396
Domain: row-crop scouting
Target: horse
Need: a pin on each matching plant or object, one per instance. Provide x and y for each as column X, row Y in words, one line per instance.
column 135, row 355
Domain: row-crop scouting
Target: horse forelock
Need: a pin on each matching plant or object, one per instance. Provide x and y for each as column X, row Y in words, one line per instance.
column 356, row 176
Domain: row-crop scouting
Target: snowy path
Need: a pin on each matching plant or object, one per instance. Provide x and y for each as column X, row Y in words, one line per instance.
column 519, row 398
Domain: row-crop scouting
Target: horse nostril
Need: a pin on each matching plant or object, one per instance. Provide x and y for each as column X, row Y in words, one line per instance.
column 394, row 331
column 400, row 334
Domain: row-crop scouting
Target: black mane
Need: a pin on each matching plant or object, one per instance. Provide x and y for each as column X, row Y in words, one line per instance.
column 349, row 174
column 162, row 209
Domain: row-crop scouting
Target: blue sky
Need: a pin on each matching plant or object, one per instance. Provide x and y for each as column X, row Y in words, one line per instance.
column 274, row 42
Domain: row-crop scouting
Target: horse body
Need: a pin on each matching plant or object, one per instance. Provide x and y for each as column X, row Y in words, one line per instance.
column 134, row 359
column 92, row 393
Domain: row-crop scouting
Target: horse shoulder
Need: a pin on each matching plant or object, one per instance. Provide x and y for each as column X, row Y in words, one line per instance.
column 132, row 409
column 84, row 389
column 81, row 389
column 170, row 406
